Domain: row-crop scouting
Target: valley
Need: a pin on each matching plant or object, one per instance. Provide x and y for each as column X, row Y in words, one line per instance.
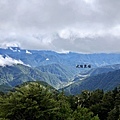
column 59, row 69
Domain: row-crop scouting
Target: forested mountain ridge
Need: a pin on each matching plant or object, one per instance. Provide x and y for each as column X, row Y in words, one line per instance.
column 95, row 71
column 18, row 74
column 64, row 73
column 34, row 101
column 105, row 81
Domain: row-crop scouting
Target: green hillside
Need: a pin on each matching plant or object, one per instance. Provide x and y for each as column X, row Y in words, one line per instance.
column 105, row 81
column 17, row 74
column 63, row 72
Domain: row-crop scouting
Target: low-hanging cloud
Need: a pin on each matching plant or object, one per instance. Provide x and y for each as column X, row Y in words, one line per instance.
column 79, row 25
column 9, row 61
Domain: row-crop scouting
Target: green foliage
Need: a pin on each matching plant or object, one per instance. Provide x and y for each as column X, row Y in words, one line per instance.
column 31, row 101
column 64, row 112
column 83, row 114
column 1, row 93
column 114, row 114
column 34, row 101
column 107, row 106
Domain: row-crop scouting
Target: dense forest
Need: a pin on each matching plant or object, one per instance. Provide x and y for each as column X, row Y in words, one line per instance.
column 33, row 101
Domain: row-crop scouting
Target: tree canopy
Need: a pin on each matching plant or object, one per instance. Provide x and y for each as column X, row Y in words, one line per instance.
column 34, row 101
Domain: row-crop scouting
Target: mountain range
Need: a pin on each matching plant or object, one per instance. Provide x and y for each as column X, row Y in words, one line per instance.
column 106, row 81
column 17, row 74
column 36, row 58
column 58, row 69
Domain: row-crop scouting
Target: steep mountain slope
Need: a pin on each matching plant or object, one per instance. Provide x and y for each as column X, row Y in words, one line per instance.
column 64, row 73
column 17, row 74
column 95, row 71
column 104, row 69
column 105, row 81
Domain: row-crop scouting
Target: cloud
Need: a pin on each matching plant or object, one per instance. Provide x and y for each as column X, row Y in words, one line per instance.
column 9, row 61
column 61, row 25
column 55, row 14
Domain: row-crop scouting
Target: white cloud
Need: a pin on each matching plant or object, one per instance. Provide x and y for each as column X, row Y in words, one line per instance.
column 7, row 44
column 89, row 1
column 115, row 31
column 9, row 61
column 47, row 59
column 28, row 52
column 65, row 34
column 79, row 25
column 63, row 51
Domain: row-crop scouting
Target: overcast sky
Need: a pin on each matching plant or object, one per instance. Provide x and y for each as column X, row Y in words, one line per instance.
column 85, row 26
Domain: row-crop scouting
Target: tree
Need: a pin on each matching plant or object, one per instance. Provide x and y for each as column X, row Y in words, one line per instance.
column 30, row 102
column 64, row 112
column 84, row 114
column 114, row 114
